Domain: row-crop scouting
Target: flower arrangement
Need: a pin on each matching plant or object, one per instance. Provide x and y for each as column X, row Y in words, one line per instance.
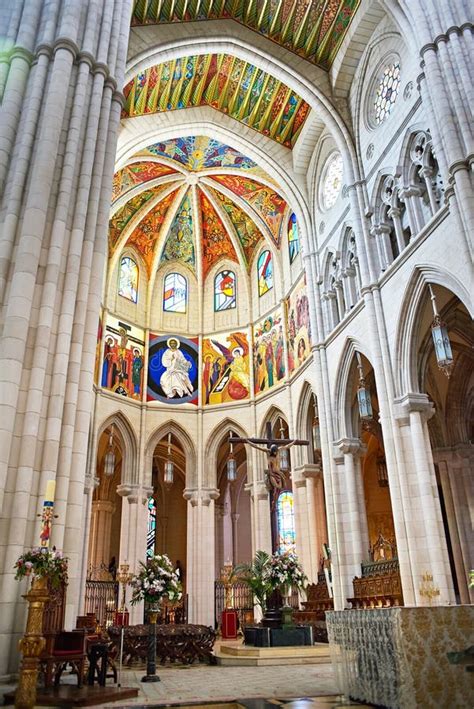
column 285, row 570
column 155, row 580
column 42, row 562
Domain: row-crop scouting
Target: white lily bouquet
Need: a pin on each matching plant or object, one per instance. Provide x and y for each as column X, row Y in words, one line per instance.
column 156, row 580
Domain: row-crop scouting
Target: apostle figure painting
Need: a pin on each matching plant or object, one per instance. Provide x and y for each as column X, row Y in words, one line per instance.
column 225, row 368
column 173, row 369
column 122, row 363
column 268, row 352
column 299, row 327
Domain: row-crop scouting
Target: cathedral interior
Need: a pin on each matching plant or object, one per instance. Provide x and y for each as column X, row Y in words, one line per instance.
column 222, row 221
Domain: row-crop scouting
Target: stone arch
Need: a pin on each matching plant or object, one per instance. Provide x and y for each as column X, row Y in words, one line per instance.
column 187, row 444
column 130, row 473
column 214, row 441
column 303, row 429
column 273, row 414
column 343, row 425
column 405, row 365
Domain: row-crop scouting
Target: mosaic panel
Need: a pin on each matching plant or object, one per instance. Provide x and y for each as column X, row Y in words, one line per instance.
column 225, row 368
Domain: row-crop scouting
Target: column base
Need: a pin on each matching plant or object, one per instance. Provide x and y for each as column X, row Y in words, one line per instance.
column 150, row 678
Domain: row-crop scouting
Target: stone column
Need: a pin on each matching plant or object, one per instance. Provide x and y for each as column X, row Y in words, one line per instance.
column 264, row 529
column 310, row 517
column 427, row 550
column 351, row 499
column 235, row 537
column 102, row 511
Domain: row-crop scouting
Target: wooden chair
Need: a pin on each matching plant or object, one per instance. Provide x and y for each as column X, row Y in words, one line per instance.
column 69, row 649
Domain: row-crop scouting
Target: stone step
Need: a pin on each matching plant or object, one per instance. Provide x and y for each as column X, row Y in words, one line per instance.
column 244, row 655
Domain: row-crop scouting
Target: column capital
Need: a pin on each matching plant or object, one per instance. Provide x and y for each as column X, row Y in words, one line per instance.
column 204, row 495
column 146, row 492
column 124, row 490
column 307, row 470
column 411, row 402
column 353, row 446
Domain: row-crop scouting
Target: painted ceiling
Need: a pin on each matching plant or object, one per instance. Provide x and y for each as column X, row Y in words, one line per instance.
column 225, row 83
column 206, row 203
column 313, row 29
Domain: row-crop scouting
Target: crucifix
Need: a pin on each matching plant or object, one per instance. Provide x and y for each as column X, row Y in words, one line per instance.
column 278, row 460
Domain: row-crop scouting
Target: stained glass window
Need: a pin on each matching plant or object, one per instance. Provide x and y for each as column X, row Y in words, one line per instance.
column 386, row 92
column 265, row 272
column 175, row 293
column 332, row 181
column 224, row 291
column 151, row 527
column 285, row 522
column 128, row 279
column 293, row 238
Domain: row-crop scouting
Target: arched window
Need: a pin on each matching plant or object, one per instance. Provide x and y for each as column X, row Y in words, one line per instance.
column 293, row 237
column 151, row 528
column 285, row 517
column 224, row 291
column 265, row 272
column 175, row 293
column 128, row 279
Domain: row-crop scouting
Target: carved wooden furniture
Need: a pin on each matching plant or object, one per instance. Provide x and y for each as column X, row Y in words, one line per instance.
column 318, row 601
column 53, row 623
column 176, row 643
column 380, row 585
column 69, row 650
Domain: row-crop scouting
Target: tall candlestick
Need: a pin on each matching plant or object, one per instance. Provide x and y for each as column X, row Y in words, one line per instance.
column 47, row 515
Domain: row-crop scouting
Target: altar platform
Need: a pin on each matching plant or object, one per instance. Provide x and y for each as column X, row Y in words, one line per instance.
column 235, row 653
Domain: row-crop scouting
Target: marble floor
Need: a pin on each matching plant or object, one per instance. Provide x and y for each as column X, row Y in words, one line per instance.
column 313, row 686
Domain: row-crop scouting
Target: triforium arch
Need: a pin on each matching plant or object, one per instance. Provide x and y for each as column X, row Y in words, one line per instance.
column 124, row 429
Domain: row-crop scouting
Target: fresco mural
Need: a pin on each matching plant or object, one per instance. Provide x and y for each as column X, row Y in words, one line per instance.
column 123, row 215
column 228, row 84
column 216, row 243
column 200, row 153
column 299, row 326
column 225, row 368
column 135, row 174
column 179, row 244
column 146, row 234
column 123, row 358
column 247, row 231
column 268, row 204
column 173, row 369
column 269, row 352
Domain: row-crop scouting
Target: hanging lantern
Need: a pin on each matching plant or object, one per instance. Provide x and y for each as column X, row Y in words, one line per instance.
column 168, row 473
column 363, row 394
column 284, row 461
column 382, row 475
column 442, row 344
column 231, row 464
column 109, row 460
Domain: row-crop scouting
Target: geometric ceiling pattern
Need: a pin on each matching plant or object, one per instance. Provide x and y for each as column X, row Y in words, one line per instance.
column 313, row 29
column 208, row 201
column 226, row 83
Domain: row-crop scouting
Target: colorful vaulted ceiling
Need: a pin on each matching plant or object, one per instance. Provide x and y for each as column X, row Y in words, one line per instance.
column 194, row 200
column 313, row 29
column 226, row 83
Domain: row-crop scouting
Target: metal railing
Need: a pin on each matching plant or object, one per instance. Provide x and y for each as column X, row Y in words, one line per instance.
column 101, row 598
column 242, row 601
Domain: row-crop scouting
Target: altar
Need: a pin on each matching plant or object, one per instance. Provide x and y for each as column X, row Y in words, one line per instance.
column 397, row 657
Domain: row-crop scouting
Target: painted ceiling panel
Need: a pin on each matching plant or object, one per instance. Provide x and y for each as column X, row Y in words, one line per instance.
column 200, row 153
column 216, row 243
column 247, row 231
column 145, row 236
column 267, row 203
column 179, row 244
column 135, row 174
column 121, row 218
column 313, row 29
column 226, row 83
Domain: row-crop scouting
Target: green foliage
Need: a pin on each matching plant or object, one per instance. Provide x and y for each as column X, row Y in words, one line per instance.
column 42, row 562
column 257, row 576
column 471, row 578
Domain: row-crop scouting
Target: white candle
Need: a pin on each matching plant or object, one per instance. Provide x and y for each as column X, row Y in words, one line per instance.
column 50, row 490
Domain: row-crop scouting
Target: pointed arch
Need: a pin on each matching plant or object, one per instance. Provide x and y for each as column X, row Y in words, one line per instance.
column 273, row 414
column 343, row 417
column 128, row 437
column 303, row 427
column 406, row 342
column 186, row 443
column 213, row 443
